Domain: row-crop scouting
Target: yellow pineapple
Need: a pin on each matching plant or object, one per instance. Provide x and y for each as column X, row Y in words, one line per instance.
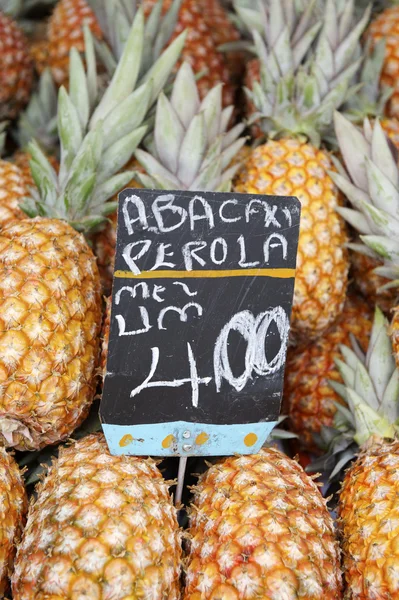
column 368, row 519
column 102, row 527
column 50, row 324
column 260, row 528
column 13, row 507
column 367, row 435
column 50, row 292
column 295, row 112
column 309, row 401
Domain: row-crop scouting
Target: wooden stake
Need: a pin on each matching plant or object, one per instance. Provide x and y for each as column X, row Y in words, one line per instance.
column 180, row 479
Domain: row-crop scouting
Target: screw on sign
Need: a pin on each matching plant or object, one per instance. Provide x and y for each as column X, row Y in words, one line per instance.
column 201, row 303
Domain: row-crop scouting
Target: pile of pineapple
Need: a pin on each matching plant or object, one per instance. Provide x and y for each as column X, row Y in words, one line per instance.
column 281, row 97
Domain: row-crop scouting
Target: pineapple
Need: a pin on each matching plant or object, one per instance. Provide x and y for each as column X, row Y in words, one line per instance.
column 13, row 507
column 371, row 185
column 367, row 434
column 308, row 399
column 260, row 528
column 296, row 112
column 50, row 293
column 16, row 74
column 101, row 527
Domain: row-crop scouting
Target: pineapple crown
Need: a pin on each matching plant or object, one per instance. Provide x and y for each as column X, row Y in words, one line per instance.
column 303, row 101
column 370, row 390
column 39, row 120
column 371, row 184
column 97, row 138
column 282, row 32
column 371, row 97
column 192, row 146
column 116, row 18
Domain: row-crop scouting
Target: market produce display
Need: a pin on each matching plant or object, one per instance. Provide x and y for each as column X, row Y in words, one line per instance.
column 257, row 97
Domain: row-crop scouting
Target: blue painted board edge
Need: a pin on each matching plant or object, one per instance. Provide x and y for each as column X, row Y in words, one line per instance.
column 181, row 438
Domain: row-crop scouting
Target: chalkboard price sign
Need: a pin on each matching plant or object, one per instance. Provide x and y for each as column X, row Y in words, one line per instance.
column 201, row 303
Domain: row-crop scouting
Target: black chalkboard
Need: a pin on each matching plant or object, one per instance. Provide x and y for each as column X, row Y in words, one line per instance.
column 201, row 304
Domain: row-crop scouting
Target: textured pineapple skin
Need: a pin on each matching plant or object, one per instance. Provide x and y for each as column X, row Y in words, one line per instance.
column 369, row 513
column 386, row 25
column 13, row 508
column 65, row 31
column 308, row 397
column 260, row 529
column 12, row 189
column 292, row 168
column 16, row 73
column 50, row 321
column 102, row 528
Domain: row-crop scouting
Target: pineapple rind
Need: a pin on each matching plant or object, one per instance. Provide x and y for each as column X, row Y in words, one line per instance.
column 50, row 332
column 101, row 527
column 369, row 516
column 261, row 529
